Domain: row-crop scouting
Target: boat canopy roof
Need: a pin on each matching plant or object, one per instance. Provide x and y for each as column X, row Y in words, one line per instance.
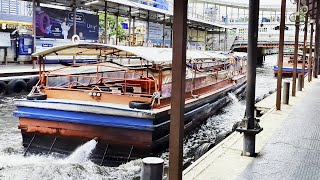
column 150, row 54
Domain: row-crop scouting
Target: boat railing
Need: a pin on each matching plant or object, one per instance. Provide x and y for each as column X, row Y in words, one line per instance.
column 127, row 82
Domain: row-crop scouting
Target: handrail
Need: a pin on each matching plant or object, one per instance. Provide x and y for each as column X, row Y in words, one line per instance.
column 148, row 81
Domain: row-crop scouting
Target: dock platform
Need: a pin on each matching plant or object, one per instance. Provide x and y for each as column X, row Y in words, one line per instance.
column 288, row 147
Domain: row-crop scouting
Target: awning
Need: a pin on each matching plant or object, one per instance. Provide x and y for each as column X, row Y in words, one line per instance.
column 150, row 54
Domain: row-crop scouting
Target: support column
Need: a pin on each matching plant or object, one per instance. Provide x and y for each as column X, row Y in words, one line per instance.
column 34, row 28
column 310, row 64
column 134, row 30
column 148, row 27
column 197, row 38
column 129, row 28
column 317, row 43
column 178, row 89
column 163, row 30
column 205, row 39
column 295, row 58
column 280, row 56
column 105, row 23
column 225, row 38
column 219, row 39
column 117, row 24
column 304, row 45
column 249, row 125
column 74, row 17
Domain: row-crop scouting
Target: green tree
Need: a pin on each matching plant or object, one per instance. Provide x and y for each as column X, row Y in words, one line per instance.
column 111, row 24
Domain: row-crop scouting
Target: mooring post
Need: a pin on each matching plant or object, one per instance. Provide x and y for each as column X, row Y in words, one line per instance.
column 286, row 90
column 300, row 82
column 249, row 125
column 152, row 168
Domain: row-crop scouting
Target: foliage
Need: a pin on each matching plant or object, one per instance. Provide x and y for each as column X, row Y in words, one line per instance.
column 111, row 25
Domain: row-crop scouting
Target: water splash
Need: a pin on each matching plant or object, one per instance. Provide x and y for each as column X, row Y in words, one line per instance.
column 233, row 97
column 82, row 153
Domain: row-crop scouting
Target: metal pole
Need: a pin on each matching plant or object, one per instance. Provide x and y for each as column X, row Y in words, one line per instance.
column 105, row 22
column 34, row 28
column 286, row 90
column 310, row 53
column 74, row 17
column 152, row 168
column 249, row 139
column 280, row 57
column 178, row 88
column 117, row 24
column 310, row 64
column 205, row 39
column 219, row 39
column 134, row 30
column 163, row 29
column 148, row 26
column 197, row 37
column 304, row 45
column 317, row 43
column 225, row 39
column 129, row 28
column 295, row 57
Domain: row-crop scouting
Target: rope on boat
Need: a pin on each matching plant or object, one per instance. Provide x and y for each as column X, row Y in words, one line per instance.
column 156, row 95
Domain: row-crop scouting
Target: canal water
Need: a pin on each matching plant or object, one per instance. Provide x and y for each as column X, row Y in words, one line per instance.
column 13, row 165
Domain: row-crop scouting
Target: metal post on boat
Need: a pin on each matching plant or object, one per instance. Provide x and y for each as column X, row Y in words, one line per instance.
column 304, row 45
column 249, row 125
column 152, row 168
column 286, row 91
column 300, row 82
column 295, row 57
column 280, row 56
column 317, row 43
column 180, row 13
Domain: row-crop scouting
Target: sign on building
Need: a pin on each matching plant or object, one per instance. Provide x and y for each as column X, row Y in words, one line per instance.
column 58, row 24
column 5, row 39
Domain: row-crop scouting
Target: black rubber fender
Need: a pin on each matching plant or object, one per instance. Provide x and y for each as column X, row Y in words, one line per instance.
column 205, row 147
column 32, row 82
column 37, row 96
column 16, row 86
column 3, row 87
column 139, row 105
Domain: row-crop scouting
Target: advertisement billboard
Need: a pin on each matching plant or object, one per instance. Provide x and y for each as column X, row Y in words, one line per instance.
column 58, row 24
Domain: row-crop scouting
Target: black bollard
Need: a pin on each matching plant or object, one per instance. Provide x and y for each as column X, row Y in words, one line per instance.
column 152, row 168
column 300, row 82
column 286, row 90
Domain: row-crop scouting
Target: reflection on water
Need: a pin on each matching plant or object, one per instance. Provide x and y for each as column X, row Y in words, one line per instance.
column 51, row 167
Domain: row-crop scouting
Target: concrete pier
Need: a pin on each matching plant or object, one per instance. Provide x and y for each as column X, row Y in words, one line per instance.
column 288, row 147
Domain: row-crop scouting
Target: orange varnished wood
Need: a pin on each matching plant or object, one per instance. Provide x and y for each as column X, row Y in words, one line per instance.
column 84, row 96
column 109, row 135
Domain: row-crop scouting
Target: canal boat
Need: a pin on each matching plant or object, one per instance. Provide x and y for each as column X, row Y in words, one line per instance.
column 287, row 69
column 123, row 101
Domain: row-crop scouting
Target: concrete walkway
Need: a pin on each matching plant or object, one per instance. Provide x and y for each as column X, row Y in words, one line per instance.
column 293, row 152
column 288, row 147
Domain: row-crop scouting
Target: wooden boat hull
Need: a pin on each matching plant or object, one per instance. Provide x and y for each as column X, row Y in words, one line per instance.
column 73, row 122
